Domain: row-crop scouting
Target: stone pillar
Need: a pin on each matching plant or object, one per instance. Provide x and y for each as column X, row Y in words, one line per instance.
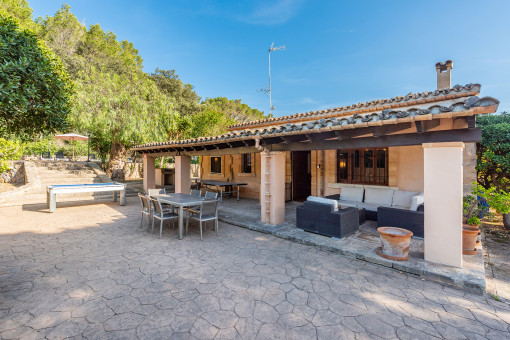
column 149, row 172
column 272, row 187
column 470, row 174
column 443, row 179
column 182, row 174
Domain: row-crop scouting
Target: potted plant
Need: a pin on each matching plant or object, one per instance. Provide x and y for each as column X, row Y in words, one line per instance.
column 498, row 200
column 470, row 227
column 470, row 233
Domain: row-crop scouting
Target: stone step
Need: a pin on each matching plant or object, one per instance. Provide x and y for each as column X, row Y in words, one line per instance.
column 64, row 176
column 45, row 171
column 64, row 165
column 56, row 181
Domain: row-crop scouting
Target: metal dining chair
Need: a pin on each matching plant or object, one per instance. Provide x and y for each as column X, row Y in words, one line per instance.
column 211, row 195
column 195, row 192
column 161, row 215
column 208, row 212
column 162, row 191
column 146, row 210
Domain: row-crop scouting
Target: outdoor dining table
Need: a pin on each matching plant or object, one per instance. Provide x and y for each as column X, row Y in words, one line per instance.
column 181, row 201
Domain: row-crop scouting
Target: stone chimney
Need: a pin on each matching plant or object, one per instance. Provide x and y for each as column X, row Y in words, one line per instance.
column 444, row 74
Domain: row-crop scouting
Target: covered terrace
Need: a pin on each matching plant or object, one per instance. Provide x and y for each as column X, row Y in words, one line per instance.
column 441, row 122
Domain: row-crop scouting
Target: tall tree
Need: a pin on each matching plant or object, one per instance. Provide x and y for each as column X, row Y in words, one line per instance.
column 121, row 111
column 187, row 102
column 64, row 34
column 35, row 88
column 234, row 109
column 493, row 153
column 20, row 10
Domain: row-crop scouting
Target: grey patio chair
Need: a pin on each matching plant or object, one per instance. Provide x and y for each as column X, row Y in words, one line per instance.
column 211, row 195
column 208, row 212
column 161, row 191
column 146, row 210
column 195, row 192
column 161, row 215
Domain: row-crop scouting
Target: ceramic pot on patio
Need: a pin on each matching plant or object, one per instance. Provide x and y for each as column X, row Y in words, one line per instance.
column 469, row 236
column 395, row 243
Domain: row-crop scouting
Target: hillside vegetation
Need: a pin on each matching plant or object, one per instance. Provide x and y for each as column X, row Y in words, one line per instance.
column 103, row 89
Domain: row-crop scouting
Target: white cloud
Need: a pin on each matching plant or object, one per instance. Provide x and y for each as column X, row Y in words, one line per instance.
column 272, row 12
column 307, row 100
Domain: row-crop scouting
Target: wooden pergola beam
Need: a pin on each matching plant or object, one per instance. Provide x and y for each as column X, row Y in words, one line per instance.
column 407, row 139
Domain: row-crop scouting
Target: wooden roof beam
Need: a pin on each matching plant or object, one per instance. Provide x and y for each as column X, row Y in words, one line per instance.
column 426, row 125
column 471, row 121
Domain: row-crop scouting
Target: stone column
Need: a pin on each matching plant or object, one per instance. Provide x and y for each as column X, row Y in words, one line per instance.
column 470, row 174
column 443, row 188
column 272, row 187
column 149, row 172
column 182, row 174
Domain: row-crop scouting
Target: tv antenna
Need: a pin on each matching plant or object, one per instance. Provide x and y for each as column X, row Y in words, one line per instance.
column 268, row 90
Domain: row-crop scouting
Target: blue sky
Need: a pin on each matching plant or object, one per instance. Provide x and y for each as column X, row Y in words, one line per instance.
column 337, row 53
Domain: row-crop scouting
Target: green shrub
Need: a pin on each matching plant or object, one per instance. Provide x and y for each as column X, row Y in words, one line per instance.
column 497, row 199
column 9, row 150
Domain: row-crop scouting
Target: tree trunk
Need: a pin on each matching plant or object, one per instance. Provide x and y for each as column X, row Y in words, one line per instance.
column 117, row 161
column 506, row 221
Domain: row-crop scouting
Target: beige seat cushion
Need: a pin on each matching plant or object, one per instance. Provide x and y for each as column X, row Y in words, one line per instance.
column 323, row 200
column 372, row 206
column 416, row 202
column 379, row 196
column 403, row 199
column 351, row 194
column 348, row 204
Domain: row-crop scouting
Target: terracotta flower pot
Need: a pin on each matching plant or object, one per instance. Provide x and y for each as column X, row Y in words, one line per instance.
column 469, row 236
column 395, row 243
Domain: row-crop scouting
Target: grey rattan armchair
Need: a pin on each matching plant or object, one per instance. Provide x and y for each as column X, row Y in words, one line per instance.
column 161, row 215
column 208, row 212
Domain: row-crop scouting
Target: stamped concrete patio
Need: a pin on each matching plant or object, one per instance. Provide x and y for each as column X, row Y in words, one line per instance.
column 362, row 245
column 89, row 271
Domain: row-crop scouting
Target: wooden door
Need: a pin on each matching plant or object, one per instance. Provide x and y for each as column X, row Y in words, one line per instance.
column 301, row 175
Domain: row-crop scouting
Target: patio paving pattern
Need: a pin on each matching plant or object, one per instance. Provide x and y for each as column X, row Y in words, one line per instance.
column 362, row 245
column 89, row 271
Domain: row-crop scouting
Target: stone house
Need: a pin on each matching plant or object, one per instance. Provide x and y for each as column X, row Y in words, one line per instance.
column 423, row 142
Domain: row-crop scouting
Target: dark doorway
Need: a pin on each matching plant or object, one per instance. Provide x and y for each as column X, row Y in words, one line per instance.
column 301, row 175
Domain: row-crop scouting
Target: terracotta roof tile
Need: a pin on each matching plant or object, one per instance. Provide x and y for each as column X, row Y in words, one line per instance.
column 391, row 115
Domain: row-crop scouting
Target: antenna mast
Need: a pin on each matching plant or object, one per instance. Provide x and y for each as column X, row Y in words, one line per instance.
column 268, row 90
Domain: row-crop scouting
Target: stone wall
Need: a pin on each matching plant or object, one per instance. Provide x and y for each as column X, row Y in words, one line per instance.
column 31, row 180
column 16, row 175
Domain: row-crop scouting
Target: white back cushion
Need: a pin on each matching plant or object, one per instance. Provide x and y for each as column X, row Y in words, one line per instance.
column 403, row 198
column 416, row 202
column 351, row 194
column 379, row 196
column 322, row 200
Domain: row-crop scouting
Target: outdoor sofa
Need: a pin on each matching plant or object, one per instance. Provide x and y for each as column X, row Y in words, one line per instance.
column 323, row 216
column 389, row 207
